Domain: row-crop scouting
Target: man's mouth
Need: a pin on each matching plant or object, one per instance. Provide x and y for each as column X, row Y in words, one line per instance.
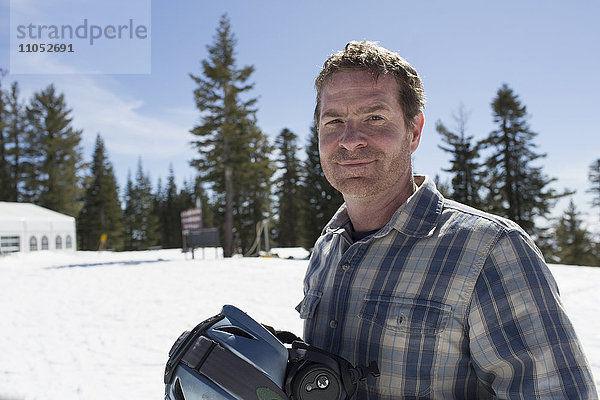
column 355, row 163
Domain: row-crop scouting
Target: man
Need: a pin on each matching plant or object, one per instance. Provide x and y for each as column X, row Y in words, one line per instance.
column 451, row 302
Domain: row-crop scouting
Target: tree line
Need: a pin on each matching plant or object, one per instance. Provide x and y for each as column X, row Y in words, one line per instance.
column 243, row 179
column 499, row 174
column 41, row 162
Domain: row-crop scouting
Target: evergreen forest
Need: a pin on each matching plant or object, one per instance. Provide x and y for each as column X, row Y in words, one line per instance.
column 247, row 180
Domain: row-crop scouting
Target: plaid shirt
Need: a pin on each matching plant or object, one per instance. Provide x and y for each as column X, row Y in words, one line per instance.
column 451, row 302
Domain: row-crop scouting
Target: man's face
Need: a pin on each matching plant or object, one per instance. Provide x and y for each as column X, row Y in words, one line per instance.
column 364, row 145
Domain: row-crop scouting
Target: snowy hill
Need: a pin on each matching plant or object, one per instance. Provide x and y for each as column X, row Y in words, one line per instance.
column 90, row 325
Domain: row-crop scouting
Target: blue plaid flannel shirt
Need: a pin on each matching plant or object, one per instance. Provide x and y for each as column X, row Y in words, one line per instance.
column 451, row 302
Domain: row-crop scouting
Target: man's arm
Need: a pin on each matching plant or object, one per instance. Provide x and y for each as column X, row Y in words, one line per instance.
column 522, row 343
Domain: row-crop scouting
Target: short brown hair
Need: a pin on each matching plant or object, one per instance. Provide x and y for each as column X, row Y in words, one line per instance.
column 372, row 57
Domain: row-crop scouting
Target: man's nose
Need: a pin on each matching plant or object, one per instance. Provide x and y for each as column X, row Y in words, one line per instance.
column 352, row 138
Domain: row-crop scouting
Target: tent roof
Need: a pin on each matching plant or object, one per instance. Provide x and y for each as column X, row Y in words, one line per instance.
column 26, row 211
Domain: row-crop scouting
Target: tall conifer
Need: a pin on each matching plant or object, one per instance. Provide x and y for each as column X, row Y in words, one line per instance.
column 252, row 183
column 140, row 214
column 55, row 151
column 517, row 188
column 170, row 214
column 227, row 138
column 288, row 189
column 5, row 184
column 101, row 211
column 128, row 214
column 19, row 150
column 573, row 241
column 320, row 199
column 465, row 168
column 14, row 146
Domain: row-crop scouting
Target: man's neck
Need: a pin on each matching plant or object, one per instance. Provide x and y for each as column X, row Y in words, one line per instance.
column 371, row 213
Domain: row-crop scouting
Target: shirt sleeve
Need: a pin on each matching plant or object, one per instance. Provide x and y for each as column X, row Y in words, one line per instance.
column 522, row 343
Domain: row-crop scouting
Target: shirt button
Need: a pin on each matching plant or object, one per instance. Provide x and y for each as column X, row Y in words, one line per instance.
column 333, row 324
column 345, row 267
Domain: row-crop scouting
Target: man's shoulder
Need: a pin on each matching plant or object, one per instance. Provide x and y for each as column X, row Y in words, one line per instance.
column 470, row 215
column 497, row 229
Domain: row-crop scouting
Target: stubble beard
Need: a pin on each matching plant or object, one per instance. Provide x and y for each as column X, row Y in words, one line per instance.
column 382, row 175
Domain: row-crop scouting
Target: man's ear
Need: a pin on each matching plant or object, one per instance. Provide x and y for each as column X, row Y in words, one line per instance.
column 416, row 130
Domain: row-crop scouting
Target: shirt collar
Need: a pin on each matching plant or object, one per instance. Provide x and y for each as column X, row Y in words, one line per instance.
column 417, row 217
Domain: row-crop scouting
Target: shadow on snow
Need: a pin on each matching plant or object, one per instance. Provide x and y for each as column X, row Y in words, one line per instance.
column 102, row 264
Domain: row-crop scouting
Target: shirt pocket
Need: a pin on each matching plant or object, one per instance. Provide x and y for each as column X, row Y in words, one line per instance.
column 308, row 305
column 407, row 315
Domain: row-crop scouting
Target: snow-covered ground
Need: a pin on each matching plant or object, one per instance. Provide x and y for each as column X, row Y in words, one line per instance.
column 88, row 325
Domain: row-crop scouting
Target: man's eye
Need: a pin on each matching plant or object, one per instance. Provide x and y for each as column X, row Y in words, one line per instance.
column 375, row 118
column 333, row 121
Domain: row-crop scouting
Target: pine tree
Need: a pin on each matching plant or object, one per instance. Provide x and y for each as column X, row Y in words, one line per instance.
column 140, row 214
column 12, row 143
column 158, row 204
column 573, row 241
column 56, row 154
column 288, row 191
column 5, row 184
column 170, row 214
column 252, row 200
column 227, row 134
column 594, row 177
column 127, row 213
column 17, row 149
column 466, row 181
column 320, row 199
column 101, row 212
column 516, row 188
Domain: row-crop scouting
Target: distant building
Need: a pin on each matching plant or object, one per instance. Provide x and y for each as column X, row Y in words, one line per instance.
column 27, row 227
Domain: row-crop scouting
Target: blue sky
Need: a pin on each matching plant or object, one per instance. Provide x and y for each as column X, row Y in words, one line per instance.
column 547, row 52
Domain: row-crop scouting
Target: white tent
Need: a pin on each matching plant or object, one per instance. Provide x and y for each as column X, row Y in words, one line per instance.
column 27, row 227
